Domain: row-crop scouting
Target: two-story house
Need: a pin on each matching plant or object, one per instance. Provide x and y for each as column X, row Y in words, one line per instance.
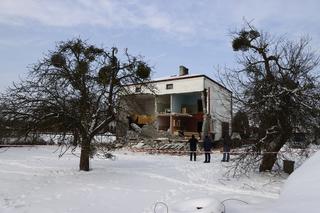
column 184, row 104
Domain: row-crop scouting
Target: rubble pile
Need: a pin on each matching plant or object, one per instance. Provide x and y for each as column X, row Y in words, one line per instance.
column 148, row 139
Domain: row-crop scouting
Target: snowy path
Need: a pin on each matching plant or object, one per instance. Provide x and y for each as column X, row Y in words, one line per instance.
column 35, row 180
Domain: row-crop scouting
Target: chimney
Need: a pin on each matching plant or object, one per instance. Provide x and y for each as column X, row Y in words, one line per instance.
column 183, row 70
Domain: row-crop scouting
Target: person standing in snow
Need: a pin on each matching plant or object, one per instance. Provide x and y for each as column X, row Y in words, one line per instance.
column 207, row 145
column 226, row 148
column 193, row 147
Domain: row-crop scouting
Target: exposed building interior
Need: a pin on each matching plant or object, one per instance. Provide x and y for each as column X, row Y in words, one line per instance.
column 142, row 109
column 176, row 113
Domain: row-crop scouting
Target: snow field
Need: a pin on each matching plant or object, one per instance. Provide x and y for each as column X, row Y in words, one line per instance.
column 35, row 180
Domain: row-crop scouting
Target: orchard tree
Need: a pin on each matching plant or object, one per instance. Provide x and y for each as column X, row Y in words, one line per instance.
column 76, row 90
column 278, row 87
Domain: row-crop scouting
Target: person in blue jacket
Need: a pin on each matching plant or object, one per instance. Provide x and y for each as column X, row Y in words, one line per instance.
column 207, row 145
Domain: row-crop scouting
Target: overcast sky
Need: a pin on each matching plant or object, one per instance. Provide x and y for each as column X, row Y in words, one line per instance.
column 169, row 33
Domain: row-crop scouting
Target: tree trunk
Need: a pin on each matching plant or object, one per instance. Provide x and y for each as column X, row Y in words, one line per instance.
column 268, row 161
column 205, row 114
column 85, row 155
column 270, row 157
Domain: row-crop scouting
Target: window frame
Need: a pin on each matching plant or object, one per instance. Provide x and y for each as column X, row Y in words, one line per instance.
column 169, row 86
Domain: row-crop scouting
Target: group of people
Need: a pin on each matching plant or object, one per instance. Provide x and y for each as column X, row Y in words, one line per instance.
column 207, row 146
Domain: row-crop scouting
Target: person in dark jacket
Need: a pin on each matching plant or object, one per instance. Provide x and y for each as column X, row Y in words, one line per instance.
column 207, row 145
column 226, row 148
column 193, row 148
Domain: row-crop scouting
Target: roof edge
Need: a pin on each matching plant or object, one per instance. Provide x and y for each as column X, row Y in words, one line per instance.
column 190, row 76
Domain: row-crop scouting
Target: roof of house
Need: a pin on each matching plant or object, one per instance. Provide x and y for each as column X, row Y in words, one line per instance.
column 177, row 77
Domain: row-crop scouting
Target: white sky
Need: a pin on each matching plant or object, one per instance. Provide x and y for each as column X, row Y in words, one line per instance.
column 169, row 33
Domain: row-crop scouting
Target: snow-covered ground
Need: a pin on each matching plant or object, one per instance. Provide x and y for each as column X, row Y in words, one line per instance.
column 35, row 180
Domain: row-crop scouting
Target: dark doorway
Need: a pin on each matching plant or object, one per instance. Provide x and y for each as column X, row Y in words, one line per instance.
column 225, row 128
column 200, row 107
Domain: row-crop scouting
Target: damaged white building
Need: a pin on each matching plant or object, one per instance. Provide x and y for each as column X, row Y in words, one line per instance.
column 183, row 104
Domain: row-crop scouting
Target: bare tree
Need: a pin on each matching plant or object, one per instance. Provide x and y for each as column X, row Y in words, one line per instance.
column 278, row 87
column 74, row 90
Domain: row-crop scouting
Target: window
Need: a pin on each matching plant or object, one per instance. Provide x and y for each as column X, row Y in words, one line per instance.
column 169, row 86
column 138, row 89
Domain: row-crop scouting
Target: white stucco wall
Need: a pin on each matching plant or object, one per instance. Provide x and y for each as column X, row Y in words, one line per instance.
column 183, row 85
column 180, row 85
column 220, row 107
